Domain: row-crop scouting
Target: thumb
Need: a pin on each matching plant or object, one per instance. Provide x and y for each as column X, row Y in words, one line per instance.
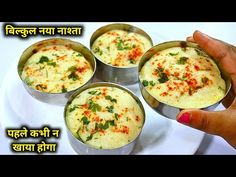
column 209, row 122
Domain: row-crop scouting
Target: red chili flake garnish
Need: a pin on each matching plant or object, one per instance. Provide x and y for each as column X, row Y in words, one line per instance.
column 187, row 68
column 104, row 91
column 137, row 118
column 192, row 83
column 159, row 65
column 126, row 110
column 135, row 53
column 54, row 48
column 46, row 49
column 155, row 72
column 87, row 113
column 96, row 119
column 164, row 94
column 176, row 74
column 82, row 69
column 61, row 57
column 167, row 72
column 125, row 130
column 112, row 33
column 196, row 67
column 85, row 106
column 92, row 131
column 170, row 88
column 102, row 131
column 187, row 75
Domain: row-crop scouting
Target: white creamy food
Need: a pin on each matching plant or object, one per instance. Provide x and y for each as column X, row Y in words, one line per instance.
column 104, row 117
column 183, row 77
column 120, row 48
column 56, row 69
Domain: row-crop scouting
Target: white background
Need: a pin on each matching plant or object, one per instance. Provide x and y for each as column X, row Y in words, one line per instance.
column 12, row 47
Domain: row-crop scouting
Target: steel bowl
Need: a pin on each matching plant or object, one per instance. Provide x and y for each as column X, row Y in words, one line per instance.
column 53, row 98
column 82, row 148
column 109, row 73
column 163, row 108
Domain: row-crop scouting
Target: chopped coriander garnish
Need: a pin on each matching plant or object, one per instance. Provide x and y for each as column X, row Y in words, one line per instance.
column 79, row 54
column 127, row 119
column 116, row 116
column 73, row 76
column 94, row 106
column 121, row 45
column 162, row 75
column 51, row 63
column 111, row 122
column 63, row 90
column 72, row 68
column 93, row 92
column 182, row 60
column 204, row 80
column 28, row 81
column 105, row 126
column 89, row 137
column 131, row 61
column 221, row 88
column 110, row 108
column 163, row 78
column 98, row 50
column 145, row 83
column 85, row 120
column 108, row 97
column 73, row 108
column 151, row 83
column 173, row 54
column 43, row 59
column 200, row 52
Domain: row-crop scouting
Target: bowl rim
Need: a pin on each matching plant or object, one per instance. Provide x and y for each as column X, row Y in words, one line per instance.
column 188, row 44
column 104, row 84
column 52, row 39
column 117, row 26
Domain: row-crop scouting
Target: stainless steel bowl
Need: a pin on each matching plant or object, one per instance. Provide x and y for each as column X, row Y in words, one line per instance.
column 109, row 73
column 53, row 98
column 162, row 108
column 82, row 148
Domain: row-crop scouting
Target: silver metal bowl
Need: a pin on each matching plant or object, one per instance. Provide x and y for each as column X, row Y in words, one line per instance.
column 160, row 107
column 53, row 98
column 82, row 148
column 109, row 73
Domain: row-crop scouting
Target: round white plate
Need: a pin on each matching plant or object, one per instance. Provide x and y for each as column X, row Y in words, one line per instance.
column 159, row 136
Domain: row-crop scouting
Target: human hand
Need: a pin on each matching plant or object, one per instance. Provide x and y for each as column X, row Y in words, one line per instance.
column 222, row 123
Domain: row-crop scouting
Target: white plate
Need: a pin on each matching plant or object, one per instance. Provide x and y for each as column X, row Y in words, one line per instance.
column 159, row 136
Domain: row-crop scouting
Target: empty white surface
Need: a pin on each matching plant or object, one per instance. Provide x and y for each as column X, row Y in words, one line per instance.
column 151, row 141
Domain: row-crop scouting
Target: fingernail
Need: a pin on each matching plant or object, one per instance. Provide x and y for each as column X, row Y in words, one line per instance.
column 203, row 34
column 184, row 118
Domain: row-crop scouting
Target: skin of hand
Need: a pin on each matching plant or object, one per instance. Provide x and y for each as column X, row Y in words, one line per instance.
column 221, row 123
